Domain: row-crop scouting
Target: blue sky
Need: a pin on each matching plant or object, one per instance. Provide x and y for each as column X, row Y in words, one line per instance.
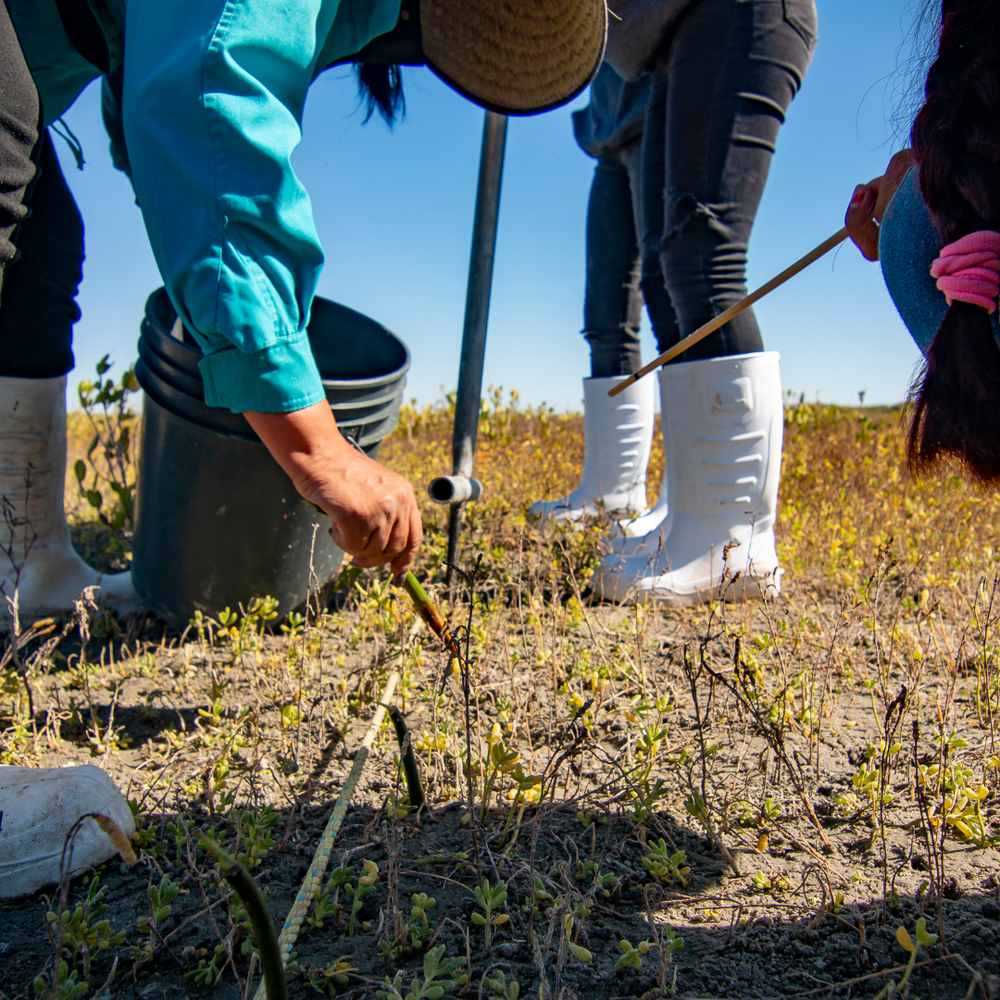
column 394, row 211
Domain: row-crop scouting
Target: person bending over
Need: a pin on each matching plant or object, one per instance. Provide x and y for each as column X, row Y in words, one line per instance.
column 203, row 101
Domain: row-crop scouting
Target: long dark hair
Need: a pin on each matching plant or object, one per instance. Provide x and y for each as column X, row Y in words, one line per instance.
column 956, row 141
column 380, row 88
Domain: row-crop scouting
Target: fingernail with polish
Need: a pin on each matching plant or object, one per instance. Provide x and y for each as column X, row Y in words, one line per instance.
column 859, row 193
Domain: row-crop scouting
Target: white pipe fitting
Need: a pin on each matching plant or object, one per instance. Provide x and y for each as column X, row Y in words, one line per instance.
column 454, row 489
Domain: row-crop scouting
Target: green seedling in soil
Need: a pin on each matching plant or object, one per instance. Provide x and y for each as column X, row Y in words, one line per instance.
column 759, row 819
column 769, row 813
column 866, row 781
column 415, row 932
column 770, row 883
column 489, row 900
column 960, row 802
column 144, row 838
column 240, row 634
column 525, row 792
column 568, row 920
column 322, row 908
column 871, row 782
column 695, row 806
column 664, row 866
column 325, row 902
column 293, row 625
column 253, row 833
column 331, row 979
column 419, row 927
column 66, row 988
column 648, row 793
column 83, row 932
column 208, row 970
column 539, row 899
column 602, row 883
column 438, row 979
column 83, row 935
column 762, row 819
column 907, row 943
column 498, row 988
column 397, row 805
column 648, row 746
column 365, row 886
column 670, row 942
column 161, row 898
column 631, row 957
column 500, row 761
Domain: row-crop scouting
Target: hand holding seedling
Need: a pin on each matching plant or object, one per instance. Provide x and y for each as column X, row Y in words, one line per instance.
column 869, row 202
column 372, row 510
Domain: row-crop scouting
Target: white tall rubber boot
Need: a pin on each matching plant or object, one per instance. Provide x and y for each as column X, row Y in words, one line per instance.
column 655, row 519
column 723, row 422
column 618, row 435
column 40, row 806
column 33, row 530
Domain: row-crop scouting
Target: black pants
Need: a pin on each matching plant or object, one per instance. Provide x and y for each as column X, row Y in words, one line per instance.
column 612, row 305
column 723, row 81
column 41, row 232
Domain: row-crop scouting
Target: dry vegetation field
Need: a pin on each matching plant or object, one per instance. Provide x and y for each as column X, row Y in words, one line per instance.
column 791, row 799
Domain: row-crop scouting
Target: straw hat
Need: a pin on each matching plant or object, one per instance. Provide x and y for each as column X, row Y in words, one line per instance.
column 517, row 57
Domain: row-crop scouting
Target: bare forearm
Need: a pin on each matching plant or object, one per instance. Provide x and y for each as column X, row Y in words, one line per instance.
column 301, row 441
column 372, row 510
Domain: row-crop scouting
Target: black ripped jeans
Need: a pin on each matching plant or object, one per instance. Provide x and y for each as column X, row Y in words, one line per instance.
column 723, row 80
column 41, row 232
column 612, row 305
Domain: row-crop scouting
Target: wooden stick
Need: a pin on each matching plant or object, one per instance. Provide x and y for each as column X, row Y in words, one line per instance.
column 710, row 327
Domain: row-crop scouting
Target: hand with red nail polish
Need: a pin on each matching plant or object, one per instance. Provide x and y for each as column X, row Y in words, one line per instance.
column 869, row 202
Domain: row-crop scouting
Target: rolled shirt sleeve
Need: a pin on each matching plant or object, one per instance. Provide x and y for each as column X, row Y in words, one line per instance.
column 213, row 94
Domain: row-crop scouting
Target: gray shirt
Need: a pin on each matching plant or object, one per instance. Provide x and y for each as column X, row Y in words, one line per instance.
column 635, row 30
column 616, row 113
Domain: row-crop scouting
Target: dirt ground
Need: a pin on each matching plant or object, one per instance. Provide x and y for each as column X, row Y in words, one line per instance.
column 757, row 800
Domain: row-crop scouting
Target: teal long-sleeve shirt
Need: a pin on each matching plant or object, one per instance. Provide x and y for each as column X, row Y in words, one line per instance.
column 204, row 101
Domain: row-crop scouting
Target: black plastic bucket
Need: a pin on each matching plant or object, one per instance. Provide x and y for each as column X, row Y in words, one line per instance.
column 217, row 520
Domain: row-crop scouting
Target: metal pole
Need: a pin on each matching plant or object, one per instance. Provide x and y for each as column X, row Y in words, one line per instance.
column 477, row 308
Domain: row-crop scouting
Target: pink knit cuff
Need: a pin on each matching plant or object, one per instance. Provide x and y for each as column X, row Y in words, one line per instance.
column 968, row 270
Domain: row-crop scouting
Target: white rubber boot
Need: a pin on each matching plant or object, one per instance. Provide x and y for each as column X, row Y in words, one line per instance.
column 618, row 435
column 654, row 519
column 40, row 805
column 33, row 530
column 723, row 422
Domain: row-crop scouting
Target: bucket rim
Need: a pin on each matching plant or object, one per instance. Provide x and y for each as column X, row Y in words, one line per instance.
column 161, row 339
column 147, row 382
